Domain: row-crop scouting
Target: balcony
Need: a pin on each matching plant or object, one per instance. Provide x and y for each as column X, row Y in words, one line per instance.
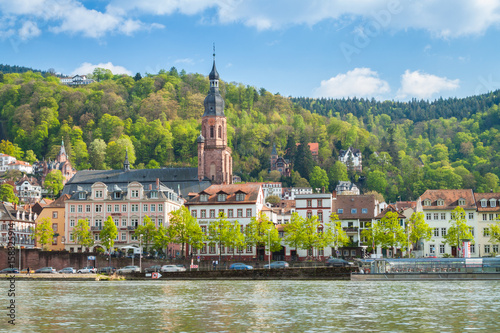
column 96, row 228
column 131, row 227
column 351, row 230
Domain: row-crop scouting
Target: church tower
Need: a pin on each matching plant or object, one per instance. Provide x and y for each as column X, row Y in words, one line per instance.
column 214, row 156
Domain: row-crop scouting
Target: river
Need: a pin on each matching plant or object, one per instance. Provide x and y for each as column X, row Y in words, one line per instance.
column 252, row 306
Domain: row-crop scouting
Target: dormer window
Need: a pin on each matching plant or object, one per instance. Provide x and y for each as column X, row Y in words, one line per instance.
column 240, row 196
column 484, row 203
column 117, row 195
column 204, row 197
column 493, row 202
column 98, row 194
column 81, row 195
column 154, row 195
column 221, row 197
column 440, row 202
column 461, row 202
column 134, row 193
column 427, row 202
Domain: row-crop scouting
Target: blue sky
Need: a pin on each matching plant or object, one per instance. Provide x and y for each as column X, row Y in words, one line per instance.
column 390, row 49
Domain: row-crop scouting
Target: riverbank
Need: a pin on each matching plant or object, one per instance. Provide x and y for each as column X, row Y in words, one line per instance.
column 424, row 276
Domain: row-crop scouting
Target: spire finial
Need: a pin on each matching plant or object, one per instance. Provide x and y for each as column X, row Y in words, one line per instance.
column 214, row 51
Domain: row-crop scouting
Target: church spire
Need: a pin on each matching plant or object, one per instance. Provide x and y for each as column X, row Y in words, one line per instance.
column 126, row 164
column 62, row 150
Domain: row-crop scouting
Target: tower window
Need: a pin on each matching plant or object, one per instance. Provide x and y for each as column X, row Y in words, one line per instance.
column 211, row 131
column 220, row 132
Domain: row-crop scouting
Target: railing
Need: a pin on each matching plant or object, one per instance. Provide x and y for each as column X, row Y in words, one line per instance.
column 96, row 228
column 131, row 227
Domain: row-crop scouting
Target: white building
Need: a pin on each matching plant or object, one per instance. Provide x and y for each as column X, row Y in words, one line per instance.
column 346, row 188
column 11, row 163
column 352, row 158
column 28, row 190
column 272, row 188
column 291, row 193
column 488, row 210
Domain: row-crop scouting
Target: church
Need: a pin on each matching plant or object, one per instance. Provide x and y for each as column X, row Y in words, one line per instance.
column 215, row 164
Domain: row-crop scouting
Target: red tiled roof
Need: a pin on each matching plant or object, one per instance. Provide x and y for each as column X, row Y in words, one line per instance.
column 480, row 196
column 450, row 198
column 358, row 202
column 251, row 194
column 390, row 208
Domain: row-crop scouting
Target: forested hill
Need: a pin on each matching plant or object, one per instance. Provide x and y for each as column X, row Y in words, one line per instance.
column 17, row 69
column 415, row 110
column 406, row 147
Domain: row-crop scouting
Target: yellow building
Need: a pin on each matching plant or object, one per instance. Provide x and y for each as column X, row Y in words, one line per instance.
column 55, row 212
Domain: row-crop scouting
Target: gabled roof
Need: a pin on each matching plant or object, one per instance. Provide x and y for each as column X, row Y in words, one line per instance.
column 450, row 198
column 390, row 208
column 251, row 191
column 358, row 202
column 487, row 196
column 59, row 202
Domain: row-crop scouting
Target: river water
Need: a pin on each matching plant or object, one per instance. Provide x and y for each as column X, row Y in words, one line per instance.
column 253, row 306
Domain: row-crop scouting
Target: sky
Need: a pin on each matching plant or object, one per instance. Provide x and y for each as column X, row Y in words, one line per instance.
column 383, row 49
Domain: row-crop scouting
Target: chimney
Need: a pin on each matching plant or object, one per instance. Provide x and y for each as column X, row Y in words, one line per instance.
column 157, row 183
column 150, row 187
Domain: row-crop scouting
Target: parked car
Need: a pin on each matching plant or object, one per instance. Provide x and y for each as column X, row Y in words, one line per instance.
column 182, row 268
column 25, row 271
column 87, row 269
column 240, row 266
column 277, row 264
column 68, row 270
column 155, row 268
column 9, row 270
column 106, row 270
column 46, row 270
column 171, row 268
column 337, row 262
column 129, row 269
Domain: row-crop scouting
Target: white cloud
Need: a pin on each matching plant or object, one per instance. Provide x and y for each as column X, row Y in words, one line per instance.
column 87, row 68
column 29, row 30
column 360, row 82
column 188, row 61
column 423, row 86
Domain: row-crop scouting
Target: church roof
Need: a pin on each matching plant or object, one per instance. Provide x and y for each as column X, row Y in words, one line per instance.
column 214, row 75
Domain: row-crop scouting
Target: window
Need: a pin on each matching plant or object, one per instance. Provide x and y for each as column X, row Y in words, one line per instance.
column 432, row 248
column 134, row 208
column 81, row 195
column 54, row 215
column 471, row 216
column 108, row 208
column 240, row 196
column 203, row 249
column 240, row 212
column 117, row 195
column 427, row 202
column 98, row 194
column 87, row 208
column 428, row 216
column 124, row 222
column 153, row 207
column 134, row 193
column 472, row 248
column 309, row 214
column 72, row 208
column 212, row 213
column 484, row 203
column 487, row 248
column 320, row 203
column 98, row 208
column 309, row 203
column 203, row 213
column 495, row 248
column 145, row 208
column 471, row 229
column 443, row 232
column 486, row 232
column 485, row 217
column 436, row 232
column 491, row 217
column 436, row 216
column 71, row 223
column 135, row 223
column 221, row 197
column 320, row 216
column 154, row 195
column 493, row 203
column 354, row 211
column 160, row 221
column 96, row 237
column 194, row 213
column 117, row 208
column 230, row 213
column 80, row 208
column 340, row 211
column 220, row 132
column 364, row 210
column 211, row 249
column 117, row 222
column 211, row 134
column 461, row 202
column 249, row 212
column 441, row 248
column 160, row 207
column 124, row 236
column 204, row 197
column 443, row 216
column 440, row 202
column 124, row 208
column 203, row 229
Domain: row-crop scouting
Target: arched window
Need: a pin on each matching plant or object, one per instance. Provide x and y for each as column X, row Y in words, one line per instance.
column 220, row 132
column 211, row 131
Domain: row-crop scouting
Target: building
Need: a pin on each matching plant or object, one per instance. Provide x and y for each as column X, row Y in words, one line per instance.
column 127, row 204
column 356, row 213
column 352, row 158
column 437, row 206
column 76, row 80
column 292, row 192
column 284, row 211
column 488, row 211
column 279, row 163
column 22, row 223
column 214, row 155
column 28, row 190
column 11, row 163
column 55, row 211
column 271, row 188
column 61, row 163
column 238, row 202
column 346, row 188
column 402, row 222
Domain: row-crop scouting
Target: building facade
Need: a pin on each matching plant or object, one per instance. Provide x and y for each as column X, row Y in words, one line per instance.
column 19, row 220
column 488, row 211
column 28, row 190
column 352, row 158
column 55, row 211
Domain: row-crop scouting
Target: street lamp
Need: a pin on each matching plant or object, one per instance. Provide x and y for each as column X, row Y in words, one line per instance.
column 140, row 253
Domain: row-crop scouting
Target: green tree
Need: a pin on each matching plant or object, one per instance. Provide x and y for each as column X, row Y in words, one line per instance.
column 184, row 229
column 7, row 193
column 30, row 157
column 495, row 231
column 108, row 234
column 338, row 172
column 458, row 230
column 11, row 149
column 147, row 230
column 377, row 181
column 293, row 231
column 97, row 154
column 99, row 74
column 319, row 179
column 273, row 200
column 44, row 233
column 162, row 238
column 221, row 232
column 54, row 182
column 417, row 229
column 82, row 234
column 335, row 232
column 260, row 231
